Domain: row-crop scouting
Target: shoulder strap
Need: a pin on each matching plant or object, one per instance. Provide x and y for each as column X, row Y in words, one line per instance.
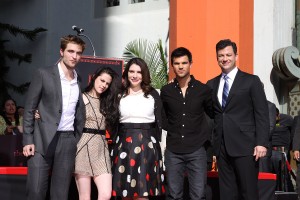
column 87, row 97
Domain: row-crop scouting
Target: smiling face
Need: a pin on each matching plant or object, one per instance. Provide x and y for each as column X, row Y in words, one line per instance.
column 135, row 76
column 102, row 83
column 181, row 66
column 226, row 59
column 10, row 107
column 71, row 55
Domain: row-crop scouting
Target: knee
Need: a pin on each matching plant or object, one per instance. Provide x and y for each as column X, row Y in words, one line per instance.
column 105, row 195
column 84, row 197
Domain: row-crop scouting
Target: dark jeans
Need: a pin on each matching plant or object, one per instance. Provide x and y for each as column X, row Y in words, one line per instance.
column 195, row 165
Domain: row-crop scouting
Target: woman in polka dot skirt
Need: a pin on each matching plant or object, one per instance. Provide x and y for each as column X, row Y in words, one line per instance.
column 136, row 157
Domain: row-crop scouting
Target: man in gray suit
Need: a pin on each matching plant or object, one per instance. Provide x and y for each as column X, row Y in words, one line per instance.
column 50, row 142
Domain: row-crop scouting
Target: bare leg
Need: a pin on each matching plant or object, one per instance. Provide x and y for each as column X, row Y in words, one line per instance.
column 104, row 186
column 84, row 186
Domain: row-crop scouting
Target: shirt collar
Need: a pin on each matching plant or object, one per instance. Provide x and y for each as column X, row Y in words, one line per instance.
column 191, row 82
column 231, row 75
column 62, row 74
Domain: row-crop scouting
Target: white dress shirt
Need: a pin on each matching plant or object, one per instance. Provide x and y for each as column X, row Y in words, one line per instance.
column 70, row 96
column 231, row 75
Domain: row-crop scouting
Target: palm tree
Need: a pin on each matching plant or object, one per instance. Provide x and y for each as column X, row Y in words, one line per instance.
column 154, row 56
column 6, row 85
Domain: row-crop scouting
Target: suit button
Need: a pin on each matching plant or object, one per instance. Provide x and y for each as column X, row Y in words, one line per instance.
column 57, row 124
column 59, row 111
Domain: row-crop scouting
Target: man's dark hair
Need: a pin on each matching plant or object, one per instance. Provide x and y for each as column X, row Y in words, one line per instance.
column 277, row 111
column 179, row 52
column 64, row 41
column 225, row 43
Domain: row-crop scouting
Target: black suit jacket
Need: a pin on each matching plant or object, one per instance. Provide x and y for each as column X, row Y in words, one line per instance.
column 244, row 122
column 272, row 118
column 45, row 94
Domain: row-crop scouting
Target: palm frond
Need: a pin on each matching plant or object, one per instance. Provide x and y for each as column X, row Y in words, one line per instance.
column 5, row 54
column 15, row 31
column 21, row 89
column 2, row 42
column 12, row 55
column 3, row 70
column 153, row 55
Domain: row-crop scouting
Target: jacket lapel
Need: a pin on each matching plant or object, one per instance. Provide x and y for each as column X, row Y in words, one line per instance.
column 216, row 88
column 57, row 83
column 234, row 86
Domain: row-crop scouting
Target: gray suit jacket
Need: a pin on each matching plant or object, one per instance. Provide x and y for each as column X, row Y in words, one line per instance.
column 45, row 94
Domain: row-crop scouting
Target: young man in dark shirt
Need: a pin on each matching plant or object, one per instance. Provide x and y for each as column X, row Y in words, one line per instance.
column 281, row 144
column 186, row 100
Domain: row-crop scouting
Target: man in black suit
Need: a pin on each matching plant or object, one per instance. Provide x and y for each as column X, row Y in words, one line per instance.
column 241, row 125
column 50, row 142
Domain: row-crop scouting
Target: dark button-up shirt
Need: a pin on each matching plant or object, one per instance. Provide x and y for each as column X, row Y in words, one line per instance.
column 186, row 121
column 282, row 132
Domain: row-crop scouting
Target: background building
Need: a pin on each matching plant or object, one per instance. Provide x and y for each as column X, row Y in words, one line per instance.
column 258, row 27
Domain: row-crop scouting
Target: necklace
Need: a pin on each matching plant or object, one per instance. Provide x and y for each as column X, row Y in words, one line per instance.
column 132, row 92
column 93, row 96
